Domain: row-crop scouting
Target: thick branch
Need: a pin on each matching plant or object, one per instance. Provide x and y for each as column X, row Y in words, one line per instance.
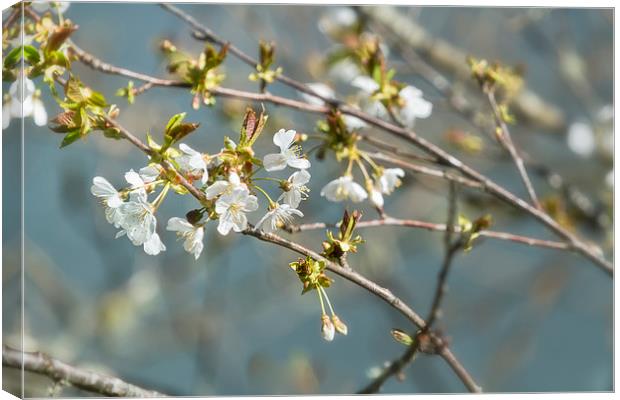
column 41, row 363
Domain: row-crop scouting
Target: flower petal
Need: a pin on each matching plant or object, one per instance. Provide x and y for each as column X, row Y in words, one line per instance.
column 299, row 163
column 153, row 246
column 102, row 188
column 216, row 189
column 38, row 113
column 283, row 139
column 274, row 162
column 134, row 179
column 179, row 225
column 300, row 178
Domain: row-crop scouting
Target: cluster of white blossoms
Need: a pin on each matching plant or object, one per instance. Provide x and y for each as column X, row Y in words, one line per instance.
column 130, row 209
column 345, row 188
column 414, row 106
column 23, row 101
column 231, row 199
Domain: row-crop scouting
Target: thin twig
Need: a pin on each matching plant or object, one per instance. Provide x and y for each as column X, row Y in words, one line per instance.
column 462, row 106
column 421, row 169
column 451, row 248
column 431, row 226
column 58, row 371
column 201, row 32
column 505, row 139
column 453, row 60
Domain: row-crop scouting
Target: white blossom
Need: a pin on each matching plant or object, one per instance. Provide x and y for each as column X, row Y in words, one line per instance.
column 280, row 214
column 111, row 199
column 344, row 70
column 344, row 188
column 153, row 246
column 319, row 88
column 368, row 87
column 192, row 162
column 232, row 207
column 31, row 106
column 328, row 331
column 55, row 6
column 609, row 178
column 297, row 188
column 375, row 195
column 414, row 106
column 352, row 123
column 390, row 179
column 581, row 139
column 138, row 221
column 140, row 180
column 224, row 187
column 336, row 20
column 289, row 153
column 192, row 235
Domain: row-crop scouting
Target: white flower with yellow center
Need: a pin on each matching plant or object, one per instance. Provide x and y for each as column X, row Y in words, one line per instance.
column 224, row 187
column 297, row 190
column 344, row 188
column 232, row 207
column 390, row 179
column 289, row 153
column 192, row 234
column 280, row 215
column 192, row 163
column 110, row 198
column 414, row 106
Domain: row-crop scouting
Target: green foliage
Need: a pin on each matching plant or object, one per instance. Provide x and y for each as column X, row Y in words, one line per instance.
column 401, row 337
column 83, row 113
column 200, row 73
column 252, row 127
column 127, row 92
column 344, row 242
column 311, row 273
column 177, row 130
column 263, row 72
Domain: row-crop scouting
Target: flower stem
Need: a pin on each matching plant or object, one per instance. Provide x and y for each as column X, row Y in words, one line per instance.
column 271, row 202
column 318, row 290
column 363, row 168
column 329, row 303
column 160, row 198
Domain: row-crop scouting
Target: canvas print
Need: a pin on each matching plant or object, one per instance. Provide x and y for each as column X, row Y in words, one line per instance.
column 204, row 199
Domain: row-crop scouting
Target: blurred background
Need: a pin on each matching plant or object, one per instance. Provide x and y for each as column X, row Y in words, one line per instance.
column 233, row 322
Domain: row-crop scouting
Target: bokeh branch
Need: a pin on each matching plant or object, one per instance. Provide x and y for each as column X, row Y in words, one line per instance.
column 58, row 371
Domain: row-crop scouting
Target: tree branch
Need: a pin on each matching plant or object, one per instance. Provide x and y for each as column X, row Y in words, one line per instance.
column 441, row 155
column 346, row 273
column 505, row 139
column 451, row 248
column 431, row 226
column 43, row 364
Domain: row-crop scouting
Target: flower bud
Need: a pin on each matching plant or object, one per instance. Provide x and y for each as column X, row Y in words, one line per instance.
column 327, row 328
column 340, row 326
